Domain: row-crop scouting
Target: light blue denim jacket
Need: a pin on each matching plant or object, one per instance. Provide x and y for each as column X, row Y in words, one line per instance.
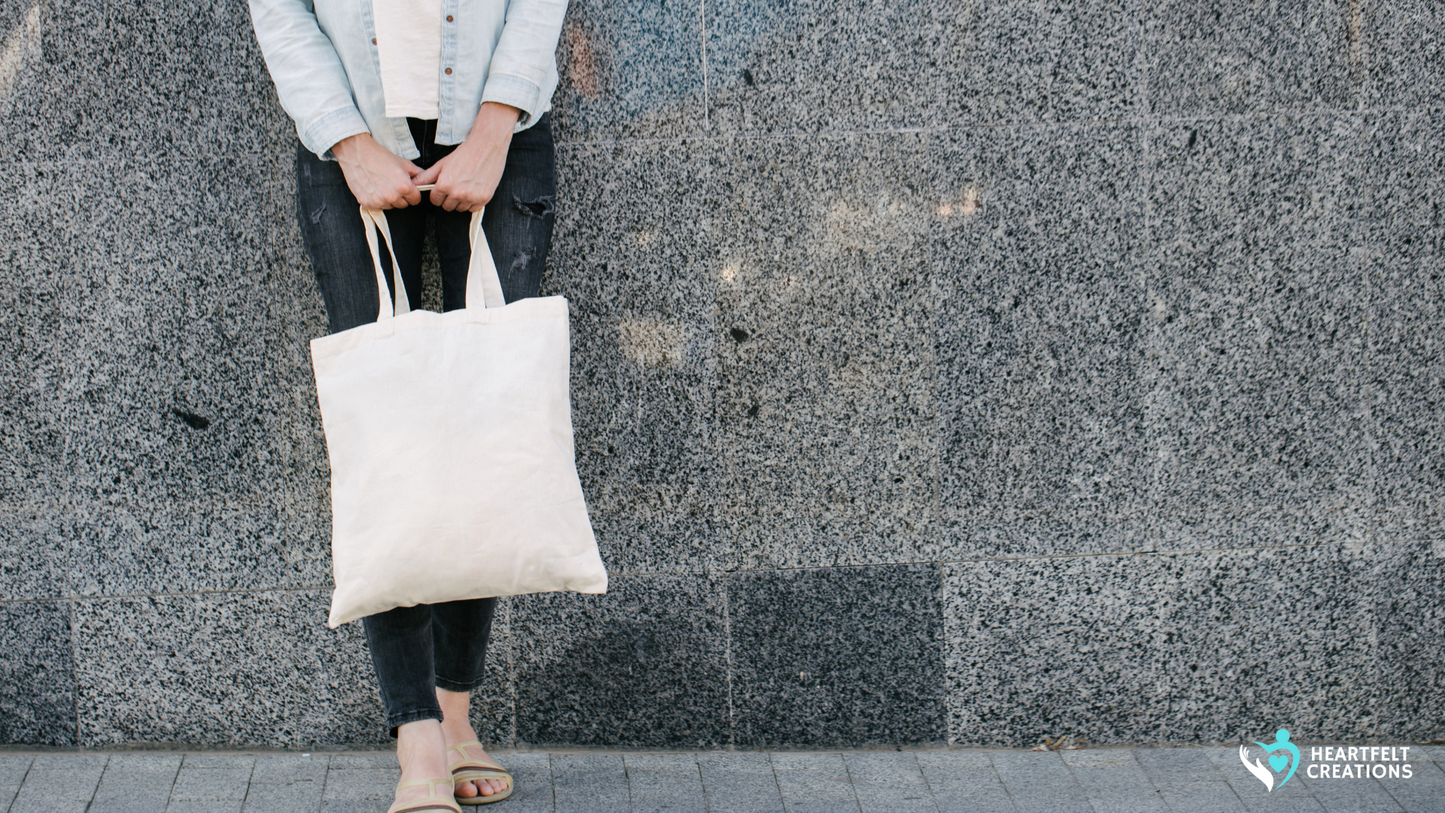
column 322, row 57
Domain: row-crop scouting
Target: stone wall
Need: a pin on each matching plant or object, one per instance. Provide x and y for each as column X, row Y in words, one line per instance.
column 944, row 372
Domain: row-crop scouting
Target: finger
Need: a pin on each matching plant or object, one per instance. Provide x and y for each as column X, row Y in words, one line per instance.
column 412, row 169
column 428, row 175
column 412, row 196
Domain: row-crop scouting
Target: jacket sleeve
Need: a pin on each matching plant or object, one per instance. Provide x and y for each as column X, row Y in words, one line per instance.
column 525, row 55
column 308, row 74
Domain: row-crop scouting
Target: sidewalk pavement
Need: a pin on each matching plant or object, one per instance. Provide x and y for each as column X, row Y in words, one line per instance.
column 1102, row 780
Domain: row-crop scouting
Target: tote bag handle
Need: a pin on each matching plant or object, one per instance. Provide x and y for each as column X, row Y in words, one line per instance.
column 484, row 286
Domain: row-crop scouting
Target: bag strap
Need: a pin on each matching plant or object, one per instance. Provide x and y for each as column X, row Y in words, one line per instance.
column 484, row 285
column 375, row 220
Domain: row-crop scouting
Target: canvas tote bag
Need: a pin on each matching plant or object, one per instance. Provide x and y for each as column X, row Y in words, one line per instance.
column 450, row 441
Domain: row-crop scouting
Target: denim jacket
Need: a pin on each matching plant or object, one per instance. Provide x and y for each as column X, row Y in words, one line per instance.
column 322, row 57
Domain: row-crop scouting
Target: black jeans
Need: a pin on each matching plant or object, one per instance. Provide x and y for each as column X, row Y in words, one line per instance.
column 416, row 649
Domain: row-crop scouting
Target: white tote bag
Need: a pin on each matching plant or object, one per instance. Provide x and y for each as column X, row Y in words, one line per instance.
column 450, row 440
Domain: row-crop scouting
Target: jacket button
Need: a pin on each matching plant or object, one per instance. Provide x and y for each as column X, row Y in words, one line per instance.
column 449, row 18
column 449, row 71
column 373, row 40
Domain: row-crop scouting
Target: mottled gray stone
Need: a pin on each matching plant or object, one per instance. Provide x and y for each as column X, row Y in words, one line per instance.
column 631, row 255
column 51, row 103
column 739, row 783
column 825, row 412
column 100, row 79
column 1114, row 781
column 826, row 65
column 590, row 783
column 33, row 554
column 964, row 780
column 1256, row 328
column 814, row 783
column 1409, row 613
column 629, row 70
column 37, row 674
column 54, row 262
column 642, row 665
column 1244, row 56
column 205, row 669
column 206, row 806
column 1015, row 60
column 1404, row 179
column 1038, row 312
column 845, row 656
column 1040, row 781
column 889, row 783
column 1159, row 647
column 1403, row 44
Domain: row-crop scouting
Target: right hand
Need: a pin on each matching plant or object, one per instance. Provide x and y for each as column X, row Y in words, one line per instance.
column 378, row 179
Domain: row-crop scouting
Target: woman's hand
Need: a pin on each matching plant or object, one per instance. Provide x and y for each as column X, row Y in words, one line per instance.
column 378, row 179
column 467, row 177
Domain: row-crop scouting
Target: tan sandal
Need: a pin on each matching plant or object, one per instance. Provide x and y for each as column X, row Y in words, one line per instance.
column 469, row 769
column 432, row 802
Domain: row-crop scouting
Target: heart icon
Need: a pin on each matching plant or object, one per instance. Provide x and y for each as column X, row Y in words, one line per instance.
column 1278, row 762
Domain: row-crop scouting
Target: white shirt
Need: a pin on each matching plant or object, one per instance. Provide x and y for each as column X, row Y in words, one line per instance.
column 409, row 48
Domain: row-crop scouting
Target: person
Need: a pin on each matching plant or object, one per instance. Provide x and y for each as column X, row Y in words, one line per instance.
column 389, row 96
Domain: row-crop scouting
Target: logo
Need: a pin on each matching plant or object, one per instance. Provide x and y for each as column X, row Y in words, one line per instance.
column 1280, row 754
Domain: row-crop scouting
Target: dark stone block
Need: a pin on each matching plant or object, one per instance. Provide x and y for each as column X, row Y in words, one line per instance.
column 643, row 666
column 837, row 657
column 228, row 669
column 1404, row 49
column 37, row 674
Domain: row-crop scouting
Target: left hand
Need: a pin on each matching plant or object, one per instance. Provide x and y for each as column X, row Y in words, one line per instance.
column 467, row 177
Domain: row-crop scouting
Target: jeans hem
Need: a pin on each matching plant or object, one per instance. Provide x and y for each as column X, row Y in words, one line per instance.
column 454, row 686
column 395, row 721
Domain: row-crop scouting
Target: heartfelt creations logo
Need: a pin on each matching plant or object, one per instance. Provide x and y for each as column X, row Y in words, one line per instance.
column 1282, row 759
column 1280, row 754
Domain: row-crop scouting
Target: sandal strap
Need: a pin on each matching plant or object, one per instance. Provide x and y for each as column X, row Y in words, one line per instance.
column 467, row 762
column 432, row 801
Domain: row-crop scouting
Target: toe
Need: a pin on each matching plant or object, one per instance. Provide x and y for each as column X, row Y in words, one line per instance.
column 466, row 790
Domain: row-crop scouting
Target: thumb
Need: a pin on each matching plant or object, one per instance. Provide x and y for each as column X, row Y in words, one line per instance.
column 427, row 176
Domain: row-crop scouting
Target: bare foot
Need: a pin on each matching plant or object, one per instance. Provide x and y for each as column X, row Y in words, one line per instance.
column 421, row 750
column 457, row 729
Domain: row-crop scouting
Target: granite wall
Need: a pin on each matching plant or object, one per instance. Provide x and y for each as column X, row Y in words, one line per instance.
column 944, row 372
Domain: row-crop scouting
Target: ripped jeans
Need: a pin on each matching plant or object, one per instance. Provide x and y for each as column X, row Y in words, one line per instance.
column 416, row 649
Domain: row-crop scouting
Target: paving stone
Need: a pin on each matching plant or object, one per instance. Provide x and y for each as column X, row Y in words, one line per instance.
column 1351, row 796
column 740, row 783
column 294, row 797
column 964, row 780
column 889, row 783
column 136, row 782
column 590, row 782
column 206, row 806
column 1211, row 796
column 361, row 784
column 1113, row 780
column 211, row 784
column 57, row 789
column 1040, row 781
column 1423, row 791
column 1177, row 765
column 287, row 769
column 815, row 786
column 670, row 783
